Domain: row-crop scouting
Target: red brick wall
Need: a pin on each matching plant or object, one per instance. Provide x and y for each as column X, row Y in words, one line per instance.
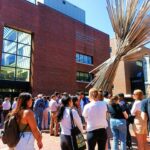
column 96, row 45
column 54, row 44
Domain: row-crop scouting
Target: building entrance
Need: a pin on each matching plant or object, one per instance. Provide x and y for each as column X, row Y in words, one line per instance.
column 13, row 89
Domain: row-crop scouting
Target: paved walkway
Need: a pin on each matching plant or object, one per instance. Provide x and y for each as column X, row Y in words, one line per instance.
column 53, row 143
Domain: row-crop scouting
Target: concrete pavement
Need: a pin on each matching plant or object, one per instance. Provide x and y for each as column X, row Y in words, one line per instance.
column 53, row 143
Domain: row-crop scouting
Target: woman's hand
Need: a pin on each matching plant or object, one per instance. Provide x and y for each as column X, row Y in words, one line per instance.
column 40, row 144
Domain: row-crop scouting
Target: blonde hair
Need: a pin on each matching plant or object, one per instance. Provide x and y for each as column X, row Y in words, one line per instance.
column 138, row 93
column 93, row 93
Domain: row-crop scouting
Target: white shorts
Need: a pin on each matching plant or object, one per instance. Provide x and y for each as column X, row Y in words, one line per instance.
column 26, row 142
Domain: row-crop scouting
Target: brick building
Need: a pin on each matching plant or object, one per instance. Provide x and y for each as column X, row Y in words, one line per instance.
column 43, row 50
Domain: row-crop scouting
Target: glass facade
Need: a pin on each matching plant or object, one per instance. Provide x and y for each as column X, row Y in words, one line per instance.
column 85, row 59
column 83, row 76
column 16, row 55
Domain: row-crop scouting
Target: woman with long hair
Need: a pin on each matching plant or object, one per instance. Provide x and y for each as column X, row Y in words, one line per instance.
column 27, row 123
column 95, row 117
column 118, row 116
column 76, row 104
column 65, row 122
column 139, row 125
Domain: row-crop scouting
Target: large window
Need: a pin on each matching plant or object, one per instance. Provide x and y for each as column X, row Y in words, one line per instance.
column 16, row 55
column 85, row 59
column 83, row 76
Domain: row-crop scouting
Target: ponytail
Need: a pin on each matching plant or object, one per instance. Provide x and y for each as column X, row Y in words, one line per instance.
column 60, row 113
column 65, row 102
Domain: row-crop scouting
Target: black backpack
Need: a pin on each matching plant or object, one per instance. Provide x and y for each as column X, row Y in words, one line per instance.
column 11, row 134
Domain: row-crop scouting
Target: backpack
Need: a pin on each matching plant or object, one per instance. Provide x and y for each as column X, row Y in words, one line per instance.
column 11, row 134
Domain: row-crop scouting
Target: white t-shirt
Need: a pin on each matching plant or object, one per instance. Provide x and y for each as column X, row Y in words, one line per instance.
column 6, row 105
column 136, row 107
column 53, row 105
column 14, row 105
column 95, row 115
column 66, row 121
column 107, row 100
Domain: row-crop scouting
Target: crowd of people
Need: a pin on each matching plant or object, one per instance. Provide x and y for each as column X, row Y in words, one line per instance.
column 94, row 115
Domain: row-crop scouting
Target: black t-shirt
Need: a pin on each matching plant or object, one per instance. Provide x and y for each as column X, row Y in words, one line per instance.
column 116, row 111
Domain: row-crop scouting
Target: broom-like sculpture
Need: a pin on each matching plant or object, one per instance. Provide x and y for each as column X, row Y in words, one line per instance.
column 131, row 23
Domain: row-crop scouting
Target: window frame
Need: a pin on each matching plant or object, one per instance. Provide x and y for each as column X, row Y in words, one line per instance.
column 18, row 32
column 82, row 78
column 84, row 59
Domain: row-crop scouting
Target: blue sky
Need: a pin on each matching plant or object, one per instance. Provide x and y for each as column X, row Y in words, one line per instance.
column 96, row 14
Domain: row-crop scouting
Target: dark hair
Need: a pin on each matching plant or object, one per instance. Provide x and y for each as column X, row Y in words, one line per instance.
column 44, row 97
column 100, row 96
column 113, row 100
column 105, row 93
column 121, row 95
column 23, row 99
column 56, row 93
column 74, row 100
column 22, row 102
column 81, row 93
column 65, row 102
column 48, row 97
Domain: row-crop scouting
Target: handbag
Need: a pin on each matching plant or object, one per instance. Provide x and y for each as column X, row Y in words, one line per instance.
column 77, row 139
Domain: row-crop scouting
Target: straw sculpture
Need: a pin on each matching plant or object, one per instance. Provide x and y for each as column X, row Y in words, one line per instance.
column 130, row 20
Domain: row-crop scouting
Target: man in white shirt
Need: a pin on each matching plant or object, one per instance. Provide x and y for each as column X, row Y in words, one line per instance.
column 95, row 116
column 14, row 105
column 6, row 107
column 53, row 106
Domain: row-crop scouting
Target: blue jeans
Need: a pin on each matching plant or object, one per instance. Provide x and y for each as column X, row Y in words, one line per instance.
column 119, row 131
column 38, row 118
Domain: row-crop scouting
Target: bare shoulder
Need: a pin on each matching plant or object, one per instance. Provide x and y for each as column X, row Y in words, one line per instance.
column 28, row 113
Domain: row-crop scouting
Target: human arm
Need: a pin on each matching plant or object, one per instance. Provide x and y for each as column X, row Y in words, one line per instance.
column 134, row 109
column 29, row 115
column 77, row 120
column 84, row 113
column 125, row 115
column 35, row 105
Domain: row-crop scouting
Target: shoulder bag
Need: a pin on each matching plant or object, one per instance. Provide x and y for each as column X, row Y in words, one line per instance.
column 77, row 139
